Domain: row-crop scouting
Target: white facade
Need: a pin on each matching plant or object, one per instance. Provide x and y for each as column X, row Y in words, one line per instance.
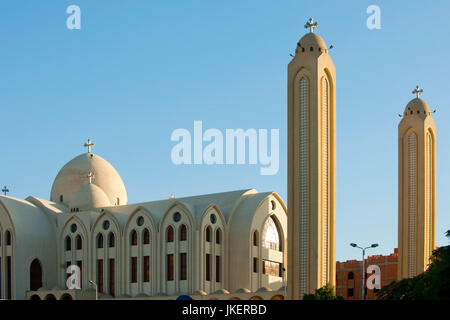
column 219, row 242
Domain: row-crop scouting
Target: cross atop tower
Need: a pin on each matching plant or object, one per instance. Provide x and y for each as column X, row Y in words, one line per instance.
column 311, row 25
column 5, row 190
column 417, row 91
column 90, row 176
column 89, row 145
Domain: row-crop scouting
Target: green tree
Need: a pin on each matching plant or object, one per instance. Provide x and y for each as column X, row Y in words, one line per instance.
column 325, row 293
column 433, row 284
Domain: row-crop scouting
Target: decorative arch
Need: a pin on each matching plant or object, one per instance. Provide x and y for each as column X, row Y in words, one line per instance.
column 140, row 261
column 177, row 206
column 50, row 297
column 176, row 257
column 106, row 248
column 216, row 210
column 35, row 275
column 66, row 296
column 71, row 257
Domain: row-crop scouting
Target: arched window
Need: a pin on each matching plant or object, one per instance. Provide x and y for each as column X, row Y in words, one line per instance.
column 79, row 242
column 255, row 238
column 183, row 233
column 35, row 275
column 8, row 238
column 68, row 243
column 100, row 241
column 146, row 236
column 271, row 236
column 351, row 276
column 170, row 234
column 218, row 236
column 208, row 234
column 133, row 238
column 111, row 240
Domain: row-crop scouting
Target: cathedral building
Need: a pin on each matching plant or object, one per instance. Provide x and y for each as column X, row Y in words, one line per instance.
column 205, row 244
column 416, row 188
column 311, row 166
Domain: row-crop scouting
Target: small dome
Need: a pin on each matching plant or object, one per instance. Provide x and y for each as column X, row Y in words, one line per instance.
column 88, row 197
column 312, row 40
column 74, row 175
column 417, row 106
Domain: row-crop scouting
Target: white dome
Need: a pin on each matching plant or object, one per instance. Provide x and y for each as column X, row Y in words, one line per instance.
column 88, row 197
column 74, row 175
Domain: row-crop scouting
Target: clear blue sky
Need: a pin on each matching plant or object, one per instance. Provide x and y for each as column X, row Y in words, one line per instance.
column 137, row 70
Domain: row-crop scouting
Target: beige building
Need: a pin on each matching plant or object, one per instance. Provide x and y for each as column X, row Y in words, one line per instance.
column 202, row 245
column 416, row 188
column 311, row 166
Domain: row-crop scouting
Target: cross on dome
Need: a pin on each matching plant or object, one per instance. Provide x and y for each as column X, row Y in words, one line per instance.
column 417, row 91
column 89, row 145
column 311, row 25
column 5, row 190
column 90, row 176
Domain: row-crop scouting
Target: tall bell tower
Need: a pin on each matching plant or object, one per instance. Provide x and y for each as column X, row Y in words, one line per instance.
column 416, row 187
column 311, row 166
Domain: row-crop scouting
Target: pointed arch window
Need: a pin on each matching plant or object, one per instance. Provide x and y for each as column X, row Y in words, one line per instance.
column 100, row 241
column 271, row 236
column 183, row 233
column 255, row 238
column 170, row 234
column 68, row 243
column 133, row 238
column 218, row 236
column 8, row 238
column 79, row 242
column 111, row 240
column 208, row 234
column 35, row 275
column 146, row 237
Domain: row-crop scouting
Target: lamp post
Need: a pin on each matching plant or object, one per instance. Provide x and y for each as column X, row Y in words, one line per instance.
column 284, row 280
column 96, row 288
column 354, row 245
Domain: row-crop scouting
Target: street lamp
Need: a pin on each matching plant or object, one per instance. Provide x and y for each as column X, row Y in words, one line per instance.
column 354, row 245
column 96, row 288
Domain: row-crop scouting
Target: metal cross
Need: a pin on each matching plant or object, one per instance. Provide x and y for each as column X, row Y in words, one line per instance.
column 89, row 145
column 417, row 91
column 90, row 176
column 311, row 25
column 5, row 190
